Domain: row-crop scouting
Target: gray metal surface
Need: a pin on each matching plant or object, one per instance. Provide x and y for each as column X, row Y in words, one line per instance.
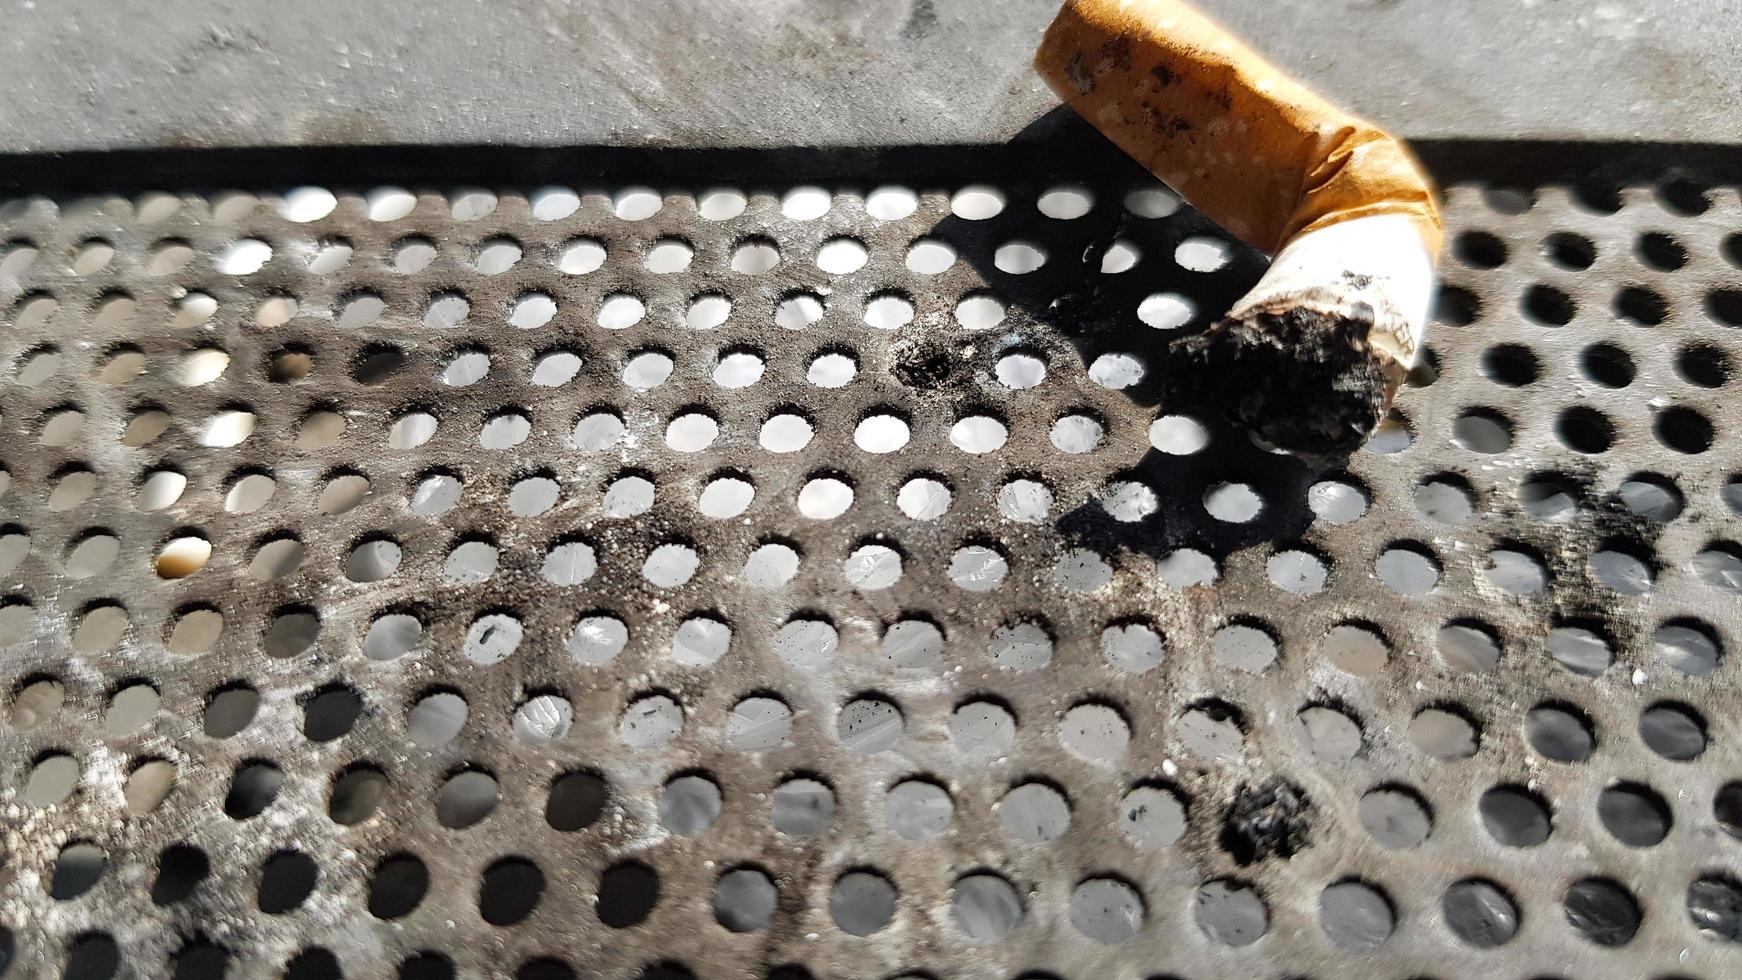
column 1053, row 713
column 129, row 74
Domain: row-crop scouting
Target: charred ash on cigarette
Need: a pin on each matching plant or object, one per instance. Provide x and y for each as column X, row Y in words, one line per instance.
column 1300, row 373
column 1309, row 360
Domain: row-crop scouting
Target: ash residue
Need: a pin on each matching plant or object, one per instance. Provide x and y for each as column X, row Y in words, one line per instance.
column 924, row 366
column 1568, row 535
column 1271, row 819
column 1299, row 378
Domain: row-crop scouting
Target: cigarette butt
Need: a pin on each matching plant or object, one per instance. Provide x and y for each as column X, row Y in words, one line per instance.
column 1310, row 359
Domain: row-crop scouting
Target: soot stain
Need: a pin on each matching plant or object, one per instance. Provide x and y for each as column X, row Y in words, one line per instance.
column 925, row 364
column 921, row 18
column 1270, row 819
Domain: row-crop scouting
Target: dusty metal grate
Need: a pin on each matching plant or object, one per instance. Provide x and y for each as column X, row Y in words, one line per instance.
column 807, row 582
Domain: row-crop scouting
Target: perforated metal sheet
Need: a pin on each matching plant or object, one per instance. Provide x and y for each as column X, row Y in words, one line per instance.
column 617, row 583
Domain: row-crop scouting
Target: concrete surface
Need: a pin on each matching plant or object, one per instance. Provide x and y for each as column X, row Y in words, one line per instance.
column 110, row 74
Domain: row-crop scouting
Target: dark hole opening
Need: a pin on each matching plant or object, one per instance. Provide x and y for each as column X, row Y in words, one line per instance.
column 1725, row 305
column 1569, row 251
column 252, row 790
column 1703, row 365
column 426, row 966
column 76, row 870
column 1608, row 365
column 1480, row 249
column 1585, row 430
column 397, row 887
column 1661, row 251
column 1600, row 196
column 576, row 800
column 286, row 880
column 1514, row 816
column 1684, row 430
column 330, row 714
column 1727, row 808
column 93, row 956
column 1640, row 305
column 314, row 964
column 511, row 890
column 627, row 894
column 201, row 960
column 180, row 868
column 1548, row 305
column 1513, row 365
column 1683, row 197
column 378, row 365
column 1456, row 306
column 544, row 968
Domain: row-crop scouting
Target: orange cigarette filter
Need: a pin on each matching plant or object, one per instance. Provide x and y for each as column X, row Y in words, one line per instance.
column 1245, row 144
